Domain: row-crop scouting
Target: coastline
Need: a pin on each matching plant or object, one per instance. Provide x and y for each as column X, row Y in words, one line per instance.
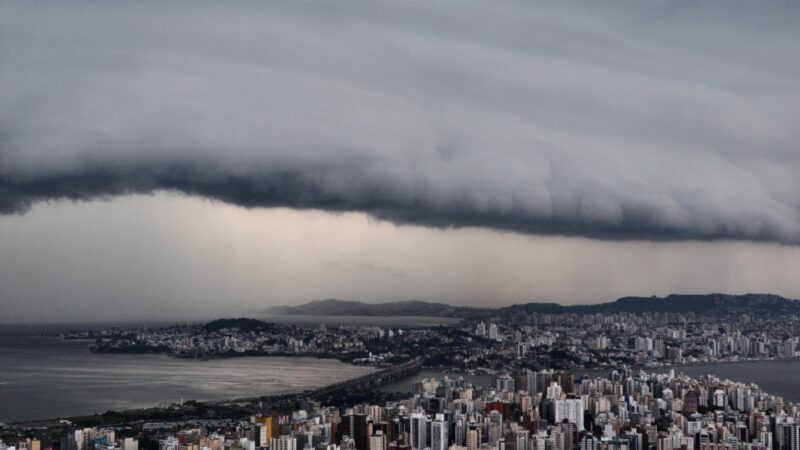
column 234, row 355
column 234, row 407
column 690, row 364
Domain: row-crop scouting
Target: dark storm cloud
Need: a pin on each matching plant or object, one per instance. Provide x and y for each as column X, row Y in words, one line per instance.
column 665, row 121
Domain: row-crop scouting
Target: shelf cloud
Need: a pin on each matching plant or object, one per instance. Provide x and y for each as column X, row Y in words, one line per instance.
column 664, row 121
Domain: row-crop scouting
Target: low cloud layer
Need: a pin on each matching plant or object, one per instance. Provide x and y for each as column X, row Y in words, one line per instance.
column 669, row 121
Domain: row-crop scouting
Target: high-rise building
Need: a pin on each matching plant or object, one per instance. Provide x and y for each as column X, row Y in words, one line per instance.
column 285, row 442
column 377, row 441
column 361, row 431
column 375, row 412
column 690, row 402
column 67, row 443
column 265, row 430
column 791, row 436
column 570, row 409
column 494, row 427
column 553, row 391
column 473, row 438
column 439, row 434
column 521, row 439
column 170, row 443
column 418, row 431
column 504, row 382
column 79, row 442
column 531, row 382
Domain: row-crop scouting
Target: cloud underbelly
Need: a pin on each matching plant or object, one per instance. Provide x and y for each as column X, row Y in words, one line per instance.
column 531, row 120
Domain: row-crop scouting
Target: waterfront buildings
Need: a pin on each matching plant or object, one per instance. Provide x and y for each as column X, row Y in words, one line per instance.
column 620, row 411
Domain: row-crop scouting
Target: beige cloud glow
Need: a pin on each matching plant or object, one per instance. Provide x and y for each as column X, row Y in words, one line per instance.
column 169, row 256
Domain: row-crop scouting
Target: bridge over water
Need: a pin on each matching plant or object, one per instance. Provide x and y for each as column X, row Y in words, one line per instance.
column 371, row 380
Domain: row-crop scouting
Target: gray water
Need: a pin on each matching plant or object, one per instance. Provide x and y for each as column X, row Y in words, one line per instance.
column 50, row 377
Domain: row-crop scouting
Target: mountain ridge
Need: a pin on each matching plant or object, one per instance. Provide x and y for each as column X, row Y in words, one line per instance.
column 336, row 307
column 708, row 304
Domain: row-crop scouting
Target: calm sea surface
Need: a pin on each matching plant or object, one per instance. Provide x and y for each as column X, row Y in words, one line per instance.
column 50, row 377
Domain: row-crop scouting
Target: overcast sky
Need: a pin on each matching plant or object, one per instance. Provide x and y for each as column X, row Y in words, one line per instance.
column 467, row 152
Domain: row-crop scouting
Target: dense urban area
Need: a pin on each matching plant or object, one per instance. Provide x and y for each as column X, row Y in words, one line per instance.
column 534, row 400
column 562, row 341
column 527, row 410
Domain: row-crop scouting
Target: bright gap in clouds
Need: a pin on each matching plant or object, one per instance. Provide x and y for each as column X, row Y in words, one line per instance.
column 169, row 256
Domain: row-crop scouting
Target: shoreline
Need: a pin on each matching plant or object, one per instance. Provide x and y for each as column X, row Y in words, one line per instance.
column 242, row 406
column 223, row 356
column 691, row 364
column 136, row 414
